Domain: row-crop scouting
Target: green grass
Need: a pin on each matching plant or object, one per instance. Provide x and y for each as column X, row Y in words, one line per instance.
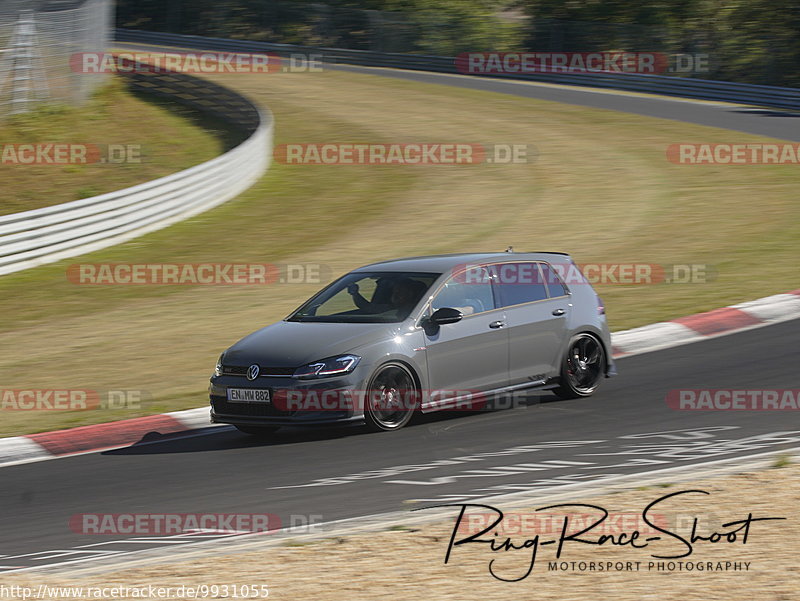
column 601, row 188
column 297, row 543
column 401, row 528
column 168, row 139
column 782, row 460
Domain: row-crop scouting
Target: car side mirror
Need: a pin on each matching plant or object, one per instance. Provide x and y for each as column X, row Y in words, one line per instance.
column 444, row 316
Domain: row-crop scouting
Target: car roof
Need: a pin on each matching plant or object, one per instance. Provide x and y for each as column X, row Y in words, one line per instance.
column 442, row 263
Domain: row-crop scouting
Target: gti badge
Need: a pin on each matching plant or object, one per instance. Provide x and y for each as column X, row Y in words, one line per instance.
column 252, row 372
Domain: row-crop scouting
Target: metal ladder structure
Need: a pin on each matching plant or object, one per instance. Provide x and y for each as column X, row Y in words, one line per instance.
column 23, row 64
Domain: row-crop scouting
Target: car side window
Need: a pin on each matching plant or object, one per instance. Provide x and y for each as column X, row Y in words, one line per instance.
column 554, row 284
column 518, row 283
column 467, row 294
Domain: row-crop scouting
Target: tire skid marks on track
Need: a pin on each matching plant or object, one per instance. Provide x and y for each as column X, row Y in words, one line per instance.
column 637, row 452
column 665, row 455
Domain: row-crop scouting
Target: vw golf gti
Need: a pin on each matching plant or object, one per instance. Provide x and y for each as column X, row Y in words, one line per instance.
column 419, row 334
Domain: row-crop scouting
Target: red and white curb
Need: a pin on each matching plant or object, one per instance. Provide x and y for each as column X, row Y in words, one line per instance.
column 664, row 334
column 100, row 437
column 114, row 435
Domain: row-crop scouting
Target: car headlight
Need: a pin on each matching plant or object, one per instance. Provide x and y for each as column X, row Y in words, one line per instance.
column 335, row 366
column 218, row 367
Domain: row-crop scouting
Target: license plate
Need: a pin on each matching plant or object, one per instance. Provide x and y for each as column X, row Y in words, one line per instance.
column 248, row 395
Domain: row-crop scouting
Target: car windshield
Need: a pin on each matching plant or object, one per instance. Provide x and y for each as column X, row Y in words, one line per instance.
column 367, row 297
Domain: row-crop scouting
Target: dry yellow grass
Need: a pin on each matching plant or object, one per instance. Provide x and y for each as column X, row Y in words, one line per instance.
column 601, row 188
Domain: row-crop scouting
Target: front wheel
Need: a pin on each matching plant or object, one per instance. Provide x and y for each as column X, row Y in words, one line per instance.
column 582, row 367
column 391, row 399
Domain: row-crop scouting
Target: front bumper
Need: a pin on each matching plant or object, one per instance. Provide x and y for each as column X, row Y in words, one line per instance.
column 283, row 414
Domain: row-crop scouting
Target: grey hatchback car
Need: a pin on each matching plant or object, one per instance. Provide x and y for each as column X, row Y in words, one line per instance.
column 419, row 334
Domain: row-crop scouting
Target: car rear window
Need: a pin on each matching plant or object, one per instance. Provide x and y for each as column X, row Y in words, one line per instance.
column 554, row 284
column 518, row 283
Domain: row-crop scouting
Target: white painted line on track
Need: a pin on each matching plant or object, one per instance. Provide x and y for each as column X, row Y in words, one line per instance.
column 378, row 522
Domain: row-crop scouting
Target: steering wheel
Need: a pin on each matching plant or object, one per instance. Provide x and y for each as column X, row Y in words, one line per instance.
column 476, row 304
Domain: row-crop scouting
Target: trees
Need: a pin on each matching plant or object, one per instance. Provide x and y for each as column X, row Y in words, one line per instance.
column 756, row 41
column 442, row 27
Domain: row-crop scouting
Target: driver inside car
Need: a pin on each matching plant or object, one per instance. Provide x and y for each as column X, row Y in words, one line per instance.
column 405, row 293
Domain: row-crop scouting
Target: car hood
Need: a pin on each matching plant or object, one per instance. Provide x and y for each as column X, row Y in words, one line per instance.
column 292, row 344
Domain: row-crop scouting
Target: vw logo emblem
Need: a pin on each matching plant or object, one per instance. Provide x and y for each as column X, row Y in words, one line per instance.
column 252, row 372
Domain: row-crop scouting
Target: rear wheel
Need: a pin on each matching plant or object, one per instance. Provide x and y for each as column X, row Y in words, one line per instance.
column 259, row 431
column 391, row 399
column 582, row 367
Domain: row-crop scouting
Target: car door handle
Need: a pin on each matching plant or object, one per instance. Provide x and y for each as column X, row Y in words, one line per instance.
column 497, row 324
column 558, row 312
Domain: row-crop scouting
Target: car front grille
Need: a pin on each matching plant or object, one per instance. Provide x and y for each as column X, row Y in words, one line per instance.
column 274, row 372
column 223, row 407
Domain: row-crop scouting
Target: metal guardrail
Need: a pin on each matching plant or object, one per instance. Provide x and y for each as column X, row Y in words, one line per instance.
column 52, row 233
column 767, row 96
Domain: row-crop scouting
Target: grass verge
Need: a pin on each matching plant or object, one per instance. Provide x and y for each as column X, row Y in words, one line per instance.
column 600, row 188
column 164, row 138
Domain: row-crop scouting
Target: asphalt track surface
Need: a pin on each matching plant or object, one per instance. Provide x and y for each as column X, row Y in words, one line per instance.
column 774, row 123
column 625, row 428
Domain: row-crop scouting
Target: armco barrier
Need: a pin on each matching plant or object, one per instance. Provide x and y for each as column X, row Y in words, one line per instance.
column 769, row 96
column 48, row 234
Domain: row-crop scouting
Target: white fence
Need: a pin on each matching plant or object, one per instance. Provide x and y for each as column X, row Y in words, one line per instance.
column 52, row 233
